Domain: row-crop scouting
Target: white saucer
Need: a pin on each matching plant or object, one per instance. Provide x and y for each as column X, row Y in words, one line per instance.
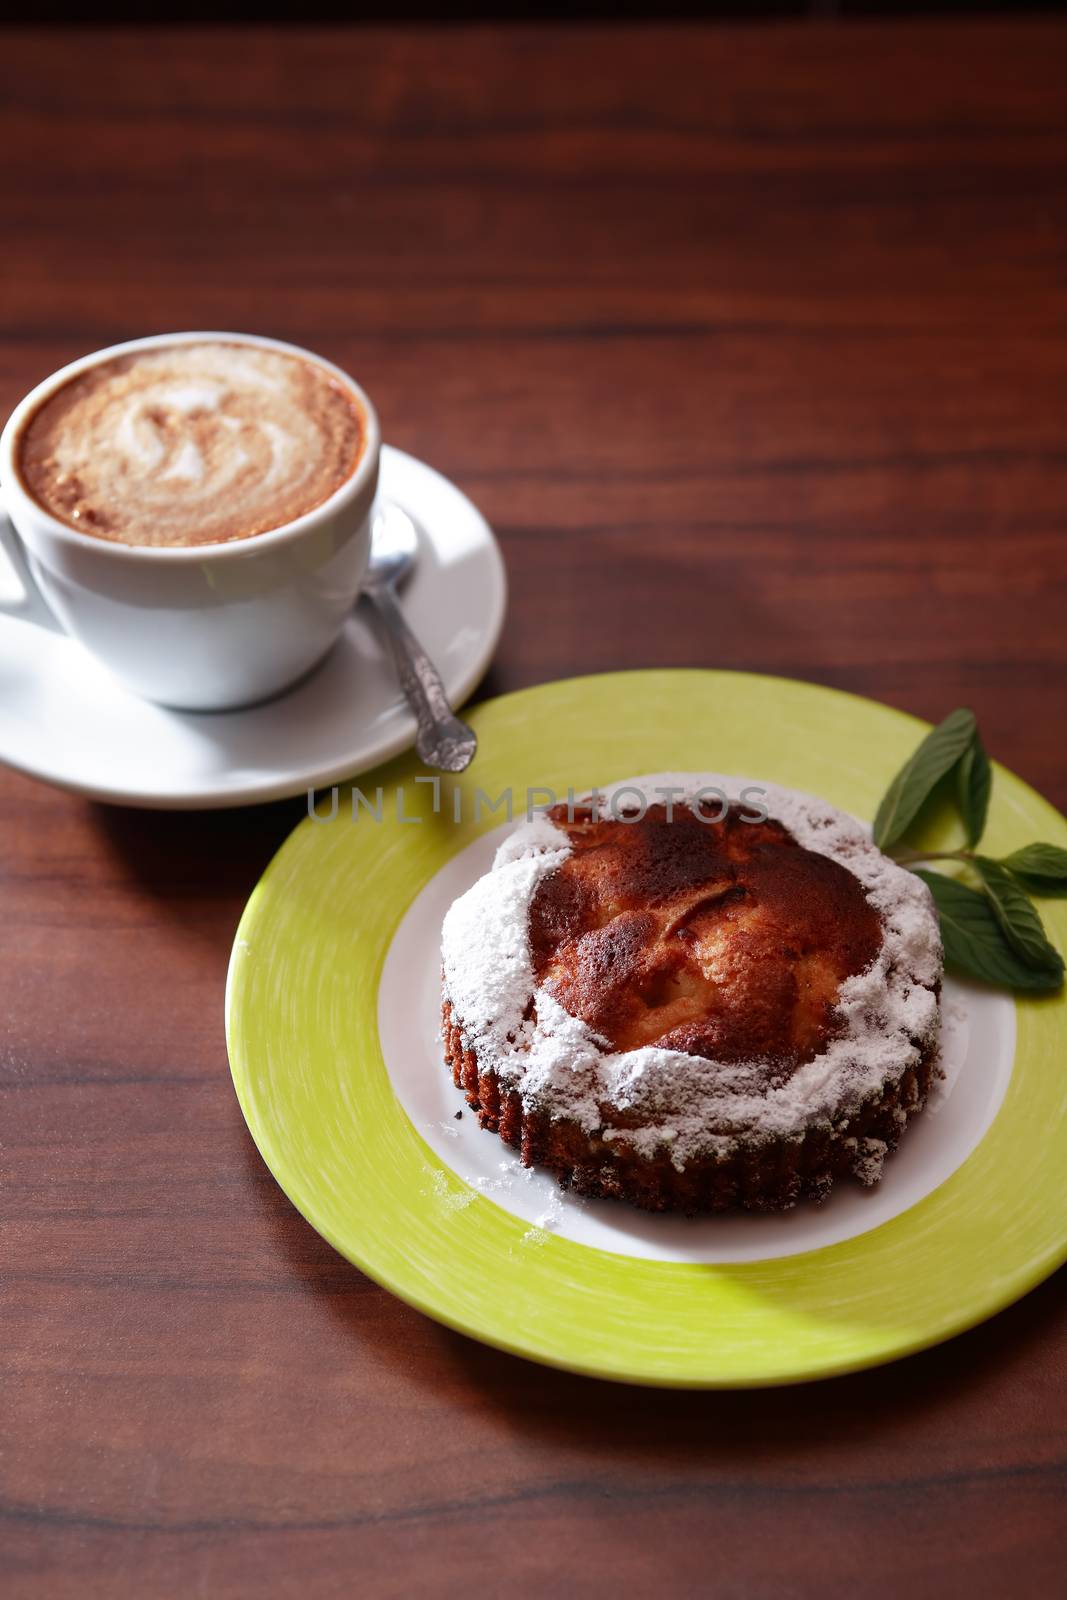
column 63, row 718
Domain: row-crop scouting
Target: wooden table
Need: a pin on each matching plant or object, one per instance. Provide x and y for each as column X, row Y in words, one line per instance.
column 751, row 344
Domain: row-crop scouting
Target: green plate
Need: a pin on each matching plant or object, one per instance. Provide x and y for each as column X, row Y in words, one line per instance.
column 302, row 1033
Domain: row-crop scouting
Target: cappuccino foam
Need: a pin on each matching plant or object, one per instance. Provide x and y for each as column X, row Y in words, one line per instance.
column 191, row 444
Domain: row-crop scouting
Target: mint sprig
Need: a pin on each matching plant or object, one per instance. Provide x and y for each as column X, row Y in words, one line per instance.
column 1041, row 867
column 1018, row 917
column 992, row 931
column 939, row 752
column 974, row 785
column 972, row 938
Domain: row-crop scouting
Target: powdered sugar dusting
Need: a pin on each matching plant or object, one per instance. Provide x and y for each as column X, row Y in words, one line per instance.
column 687, row 1104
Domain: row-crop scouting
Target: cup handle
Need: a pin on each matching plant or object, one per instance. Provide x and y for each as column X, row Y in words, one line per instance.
column 29, row 605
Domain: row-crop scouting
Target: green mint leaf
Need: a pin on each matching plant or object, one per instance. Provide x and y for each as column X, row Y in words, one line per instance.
column 974, row 943
column 1042, row 867
column 937, row 754
column 1018, row 917
column 974, row 781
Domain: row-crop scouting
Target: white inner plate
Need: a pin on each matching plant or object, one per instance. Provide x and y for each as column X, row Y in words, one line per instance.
column 64, row 718
column 978, row 1048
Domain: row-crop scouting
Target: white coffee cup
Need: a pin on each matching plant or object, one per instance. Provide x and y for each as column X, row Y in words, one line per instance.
column 206, row 627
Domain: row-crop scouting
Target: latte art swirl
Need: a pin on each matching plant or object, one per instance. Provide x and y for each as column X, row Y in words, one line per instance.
column 191, row 444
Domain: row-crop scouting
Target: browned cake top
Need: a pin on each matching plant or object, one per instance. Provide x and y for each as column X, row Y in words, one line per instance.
column 725, row 939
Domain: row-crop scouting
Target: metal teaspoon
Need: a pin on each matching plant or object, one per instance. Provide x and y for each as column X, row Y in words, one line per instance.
column 443, row 740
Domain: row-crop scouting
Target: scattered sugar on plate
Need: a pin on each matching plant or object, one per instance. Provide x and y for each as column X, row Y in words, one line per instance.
column 450, row 1200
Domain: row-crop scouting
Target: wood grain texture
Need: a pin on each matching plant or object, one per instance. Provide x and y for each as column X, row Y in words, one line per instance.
column 752, row 344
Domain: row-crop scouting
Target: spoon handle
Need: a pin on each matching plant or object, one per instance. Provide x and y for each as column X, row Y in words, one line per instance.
column 442, row 740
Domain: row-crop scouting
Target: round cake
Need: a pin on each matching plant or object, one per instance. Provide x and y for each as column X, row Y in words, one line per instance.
column 695, row 1002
